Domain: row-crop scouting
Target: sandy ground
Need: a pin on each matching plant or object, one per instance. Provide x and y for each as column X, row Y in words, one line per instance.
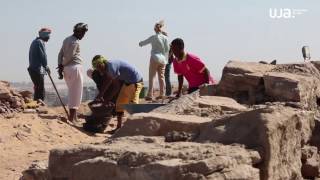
column 25, row 138
column 29, row 137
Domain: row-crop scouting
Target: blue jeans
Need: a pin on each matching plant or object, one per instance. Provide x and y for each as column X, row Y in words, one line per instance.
column 167, row 79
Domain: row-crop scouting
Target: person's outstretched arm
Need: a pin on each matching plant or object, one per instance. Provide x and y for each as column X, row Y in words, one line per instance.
column 107, row 81
column 207, row 75
column 180, row 80
column 145, row 42
column 60, row 57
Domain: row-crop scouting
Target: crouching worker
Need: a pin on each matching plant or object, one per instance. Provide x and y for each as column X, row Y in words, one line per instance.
column 189, row 66
column 114, row 70
column 111, row 94
column 101, row 113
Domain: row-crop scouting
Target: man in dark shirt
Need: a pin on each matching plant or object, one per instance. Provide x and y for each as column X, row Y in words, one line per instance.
column 38, row 63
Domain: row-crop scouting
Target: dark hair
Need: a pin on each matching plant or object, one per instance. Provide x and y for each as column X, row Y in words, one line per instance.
column 80, row 27
column 178, row 42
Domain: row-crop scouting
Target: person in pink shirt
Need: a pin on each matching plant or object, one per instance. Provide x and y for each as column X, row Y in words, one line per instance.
column 190, row 67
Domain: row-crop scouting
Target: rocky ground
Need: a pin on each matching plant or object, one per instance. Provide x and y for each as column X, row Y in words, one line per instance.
column 261, row 123
column 27, row 138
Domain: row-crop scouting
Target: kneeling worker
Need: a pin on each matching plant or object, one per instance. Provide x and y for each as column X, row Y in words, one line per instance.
column 189, row 66
column 119, row 70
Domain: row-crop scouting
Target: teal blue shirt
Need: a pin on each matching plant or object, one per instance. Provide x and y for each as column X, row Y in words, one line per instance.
column 159, row 47
column 123, row 71
column 37, row 55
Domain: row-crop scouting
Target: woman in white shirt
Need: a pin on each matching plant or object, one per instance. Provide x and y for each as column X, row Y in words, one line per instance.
column 158, row 60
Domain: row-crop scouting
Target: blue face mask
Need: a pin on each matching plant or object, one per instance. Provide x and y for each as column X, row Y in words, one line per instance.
column 44, row 34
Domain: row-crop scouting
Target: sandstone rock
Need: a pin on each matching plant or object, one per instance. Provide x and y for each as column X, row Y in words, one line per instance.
column 226, row 104
column 175, row 136
column 178, row 106
column 202, row 106
column 308, row 152
column 250, row 83
column 310, row 162
column 242, row 172
column 4, row 93
column 305, row 69
column 240, row 67
column 61, row 161
column 277, row 132
column 292, row 87
column 26, row 94
column 243, row 81
column 193, row 176
column 42, row 110
column 36, row 171
column 155, row 124
column 11, row 101
column 98, row 168
column 141, row 158
column 316, row 64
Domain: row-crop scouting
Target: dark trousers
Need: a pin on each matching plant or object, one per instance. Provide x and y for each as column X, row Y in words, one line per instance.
column 167, row 79
column 38, row 83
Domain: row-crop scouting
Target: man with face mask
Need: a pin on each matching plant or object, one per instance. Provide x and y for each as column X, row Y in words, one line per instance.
column 70, row 67
column 38, row 63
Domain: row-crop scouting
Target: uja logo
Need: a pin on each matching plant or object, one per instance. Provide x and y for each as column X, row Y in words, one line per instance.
column 286, row 13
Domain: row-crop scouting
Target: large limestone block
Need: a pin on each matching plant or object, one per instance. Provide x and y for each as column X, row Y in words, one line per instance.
column 241, row 172
column 285, row 87
column 241, row 67
column 101, row 168
column 147, row 158
column 277, row 132
column 254, row 83
column 243, row 81
column 62, row 160
column 98, row 168
column 156, row 124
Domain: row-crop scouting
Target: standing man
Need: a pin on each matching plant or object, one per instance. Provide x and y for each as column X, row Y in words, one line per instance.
column 70, row 67
column 38, row 63
column 116, row 70
column 159, row 53
column 189, row 66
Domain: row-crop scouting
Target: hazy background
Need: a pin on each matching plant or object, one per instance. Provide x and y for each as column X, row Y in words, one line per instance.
column 217, row 31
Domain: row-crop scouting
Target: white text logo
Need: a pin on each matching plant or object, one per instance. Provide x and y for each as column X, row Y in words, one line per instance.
column 285, row 13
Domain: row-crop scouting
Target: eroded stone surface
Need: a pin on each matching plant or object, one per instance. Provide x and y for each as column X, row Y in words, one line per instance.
column 148, row 158
column 156, row 124
column 277, row 133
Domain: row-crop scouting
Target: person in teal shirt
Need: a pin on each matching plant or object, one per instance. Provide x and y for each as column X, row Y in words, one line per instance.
column 38, row 63
column 158, row 60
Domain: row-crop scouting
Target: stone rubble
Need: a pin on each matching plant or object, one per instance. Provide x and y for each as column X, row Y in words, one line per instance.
column 261, row 123
column 12, row 101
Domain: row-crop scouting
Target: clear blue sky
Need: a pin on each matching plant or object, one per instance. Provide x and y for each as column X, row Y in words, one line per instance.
column 216, row 31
